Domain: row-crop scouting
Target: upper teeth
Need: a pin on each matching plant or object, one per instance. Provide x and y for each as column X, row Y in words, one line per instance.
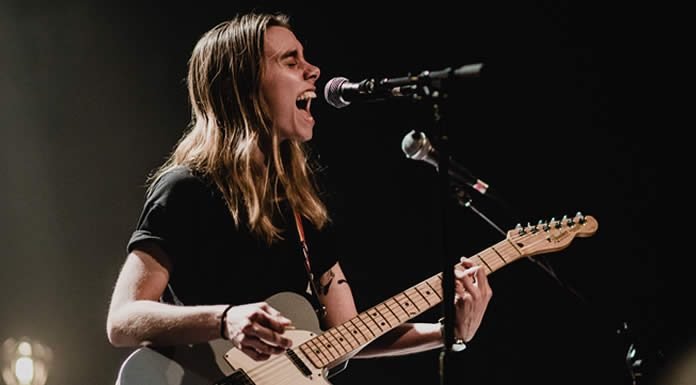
column 307, row 95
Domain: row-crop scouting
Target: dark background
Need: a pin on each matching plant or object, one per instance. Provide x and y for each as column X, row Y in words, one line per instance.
column 92, row 98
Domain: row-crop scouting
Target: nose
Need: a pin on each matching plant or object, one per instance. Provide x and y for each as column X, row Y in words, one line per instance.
column 312, row 72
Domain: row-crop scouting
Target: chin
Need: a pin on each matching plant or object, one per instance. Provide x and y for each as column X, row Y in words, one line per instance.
column 305, row 138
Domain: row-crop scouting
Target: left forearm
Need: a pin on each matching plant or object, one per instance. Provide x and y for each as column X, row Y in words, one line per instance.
column 404, row 339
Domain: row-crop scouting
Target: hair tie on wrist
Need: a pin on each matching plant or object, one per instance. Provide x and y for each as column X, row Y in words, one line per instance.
column 223, row 321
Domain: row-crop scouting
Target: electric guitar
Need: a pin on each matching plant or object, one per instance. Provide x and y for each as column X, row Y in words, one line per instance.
column 317, row 354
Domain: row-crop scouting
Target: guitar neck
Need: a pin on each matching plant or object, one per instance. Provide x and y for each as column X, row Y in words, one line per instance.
column 337, row 343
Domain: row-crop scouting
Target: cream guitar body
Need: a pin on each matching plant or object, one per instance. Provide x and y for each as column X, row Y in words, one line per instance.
column 317, row 355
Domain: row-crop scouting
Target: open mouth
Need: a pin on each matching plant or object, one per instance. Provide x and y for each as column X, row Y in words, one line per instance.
column 304, row 101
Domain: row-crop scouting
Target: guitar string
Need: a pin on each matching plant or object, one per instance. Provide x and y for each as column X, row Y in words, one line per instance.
column 271, row 368
column 275, row 371
column 280, row 366
column 263, row 371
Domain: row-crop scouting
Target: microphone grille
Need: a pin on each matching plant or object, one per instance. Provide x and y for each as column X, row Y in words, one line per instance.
column 332, row 92
column 412, row 145
column 416, row 146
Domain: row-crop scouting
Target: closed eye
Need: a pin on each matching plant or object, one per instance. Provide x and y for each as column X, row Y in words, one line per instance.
column 290, row 58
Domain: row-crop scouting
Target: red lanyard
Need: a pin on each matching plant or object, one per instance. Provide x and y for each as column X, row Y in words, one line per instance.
column 305, row 250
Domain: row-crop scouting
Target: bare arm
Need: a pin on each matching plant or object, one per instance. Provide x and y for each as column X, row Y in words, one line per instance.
column 136, row 317
column 472, row 298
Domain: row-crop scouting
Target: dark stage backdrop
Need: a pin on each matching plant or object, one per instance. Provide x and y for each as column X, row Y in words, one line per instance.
column 92, row 98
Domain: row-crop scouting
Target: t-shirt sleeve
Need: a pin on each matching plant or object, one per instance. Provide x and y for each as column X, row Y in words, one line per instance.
column 170, row 214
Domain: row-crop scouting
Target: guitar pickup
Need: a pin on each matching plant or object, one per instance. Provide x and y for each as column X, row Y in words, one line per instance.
column 298, row 362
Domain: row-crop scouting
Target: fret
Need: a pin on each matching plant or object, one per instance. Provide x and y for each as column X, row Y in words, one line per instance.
column 315, row 354
column 398, row 311
column 379, row 319
column 408, row 306
column 364, row 329
column 348, row 336
column 370, row 323
column 339, row 341
column 514, row 252
column 482, row 262
column 343, row 339
column 499, row 255
column 428, row 294
column 496, row 259
column 492, row 259
column 357, row 333
column 320, row 352
column 328, row 347
column 387, row 314
column 435, row 283
column 417, row 299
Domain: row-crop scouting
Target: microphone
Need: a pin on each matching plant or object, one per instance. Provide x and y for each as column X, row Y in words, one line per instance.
column 417, row 146
column 340, row 92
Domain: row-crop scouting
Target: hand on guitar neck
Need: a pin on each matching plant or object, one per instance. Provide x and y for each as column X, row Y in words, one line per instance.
column 314, row 353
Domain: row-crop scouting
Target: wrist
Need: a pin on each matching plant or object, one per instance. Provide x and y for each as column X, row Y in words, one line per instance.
column 458, row 345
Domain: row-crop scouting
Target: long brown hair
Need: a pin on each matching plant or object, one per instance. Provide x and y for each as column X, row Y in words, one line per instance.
column 229, row 122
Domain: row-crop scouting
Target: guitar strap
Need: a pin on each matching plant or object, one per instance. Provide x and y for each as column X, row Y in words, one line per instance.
column 319, row 308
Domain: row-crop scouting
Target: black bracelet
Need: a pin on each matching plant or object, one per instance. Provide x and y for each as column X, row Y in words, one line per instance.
column 223, row 321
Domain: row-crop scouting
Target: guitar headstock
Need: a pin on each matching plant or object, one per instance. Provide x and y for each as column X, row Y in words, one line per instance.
column 552, row 235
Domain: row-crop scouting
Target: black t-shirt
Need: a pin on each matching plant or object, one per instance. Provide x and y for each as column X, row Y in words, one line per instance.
column 214, row 262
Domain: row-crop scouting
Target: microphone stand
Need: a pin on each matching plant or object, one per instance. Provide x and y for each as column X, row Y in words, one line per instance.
column 447, row 260
column 431, row 85
column 636, row 367
column 438, row 99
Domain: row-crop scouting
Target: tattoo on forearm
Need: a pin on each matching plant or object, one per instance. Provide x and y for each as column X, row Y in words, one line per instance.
column 325, row 282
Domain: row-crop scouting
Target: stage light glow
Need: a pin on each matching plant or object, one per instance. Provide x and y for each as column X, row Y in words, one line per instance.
column 25, row 362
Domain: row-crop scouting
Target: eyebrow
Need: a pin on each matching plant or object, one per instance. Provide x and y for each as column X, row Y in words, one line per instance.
column 292, row 53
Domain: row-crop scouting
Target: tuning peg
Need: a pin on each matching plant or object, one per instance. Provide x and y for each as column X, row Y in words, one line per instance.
column 520, row 229
column 569, row 221
column 581, row 218
column 555, row 223
column 533, row 228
